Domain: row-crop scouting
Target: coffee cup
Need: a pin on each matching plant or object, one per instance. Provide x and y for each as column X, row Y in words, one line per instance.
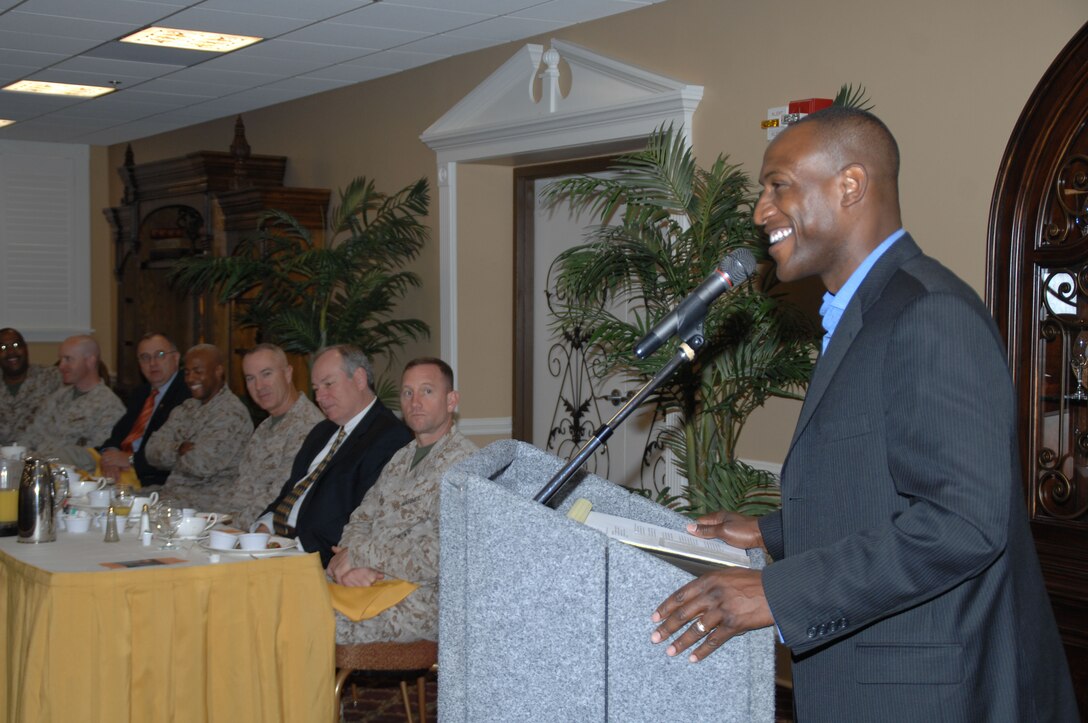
column 15, row 452
column 254, row 540
column 81, row 487
column 220, row 540
column 196, row 526
column 139, row 502
column 99, row 497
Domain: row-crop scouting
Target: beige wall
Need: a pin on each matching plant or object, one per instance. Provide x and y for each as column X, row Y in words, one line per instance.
column 950, row 79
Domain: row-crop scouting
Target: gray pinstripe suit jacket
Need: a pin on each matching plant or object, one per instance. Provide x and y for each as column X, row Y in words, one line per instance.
column 906, row 582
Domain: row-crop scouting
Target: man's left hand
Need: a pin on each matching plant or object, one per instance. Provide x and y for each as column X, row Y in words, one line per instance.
column 726, row 602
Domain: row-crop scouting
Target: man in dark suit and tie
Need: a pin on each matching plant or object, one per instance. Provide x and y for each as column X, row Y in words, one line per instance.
column 341, row 458
column 905, row 580
column 147, row 410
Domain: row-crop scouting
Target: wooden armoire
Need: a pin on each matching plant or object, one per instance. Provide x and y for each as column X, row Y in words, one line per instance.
column 200, row 203
column 1037, row 289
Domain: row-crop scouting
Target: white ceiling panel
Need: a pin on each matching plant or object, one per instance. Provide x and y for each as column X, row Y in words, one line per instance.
column 400, row 17
column 304, row 9
column 36, row 43
column 310, row 46
column 355, row 36
column 219, row 21
column 19, row 22
column 111, row 69
column 132, row 12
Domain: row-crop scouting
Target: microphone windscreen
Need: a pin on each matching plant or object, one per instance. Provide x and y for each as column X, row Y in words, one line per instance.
column 738, row 265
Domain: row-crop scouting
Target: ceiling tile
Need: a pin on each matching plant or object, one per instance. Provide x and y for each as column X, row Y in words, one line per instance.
column 111, row 68
column 396, row 60
column 354, row 36
column 281, row 65
column 219, row 21
column 570, row 12
column 44, row 43
column 446, row 45
column 506, row 28
column 487, row 7
column 21, row 22
column 399, row 17
column 224, row 78
column 118, row 11
column 305, row 9
column 312, row 52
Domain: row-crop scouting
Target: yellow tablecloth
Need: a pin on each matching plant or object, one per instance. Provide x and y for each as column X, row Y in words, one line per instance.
column 229, row 643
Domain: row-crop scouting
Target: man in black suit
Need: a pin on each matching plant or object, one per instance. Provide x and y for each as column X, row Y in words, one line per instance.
column 147, row 410
column 905, row 580
column 341, row 458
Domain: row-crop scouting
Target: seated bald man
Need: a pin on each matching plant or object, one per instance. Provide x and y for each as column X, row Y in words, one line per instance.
column 203, row 437
column 80, row 414
column 270, row 452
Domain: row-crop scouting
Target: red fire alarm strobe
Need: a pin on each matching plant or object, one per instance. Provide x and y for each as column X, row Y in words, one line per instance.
column 810, row 105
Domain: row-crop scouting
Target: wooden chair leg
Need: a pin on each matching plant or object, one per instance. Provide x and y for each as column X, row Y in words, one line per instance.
column 421, row 691
column 404, row 696
column 341, row 676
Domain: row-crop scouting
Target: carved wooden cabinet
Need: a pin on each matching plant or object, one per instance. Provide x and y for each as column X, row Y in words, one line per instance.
column 200, row 203
column 1037, row 289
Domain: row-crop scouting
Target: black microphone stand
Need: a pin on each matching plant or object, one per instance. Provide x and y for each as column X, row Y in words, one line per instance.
column 684, row 355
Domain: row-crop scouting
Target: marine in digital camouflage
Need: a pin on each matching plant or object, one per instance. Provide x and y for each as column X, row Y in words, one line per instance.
column 266, row 461
column 69, row 419
column 395, row 530
column 18, row 410
column 218, row 430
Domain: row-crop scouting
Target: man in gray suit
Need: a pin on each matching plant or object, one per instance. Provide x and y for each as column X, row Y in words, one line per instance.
column 905, row 579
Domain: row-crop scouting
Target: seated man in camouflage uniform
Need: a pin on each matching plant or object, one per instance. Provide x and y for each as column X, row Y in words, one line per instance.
column 203, row 437
column 270, row 452
column 80, row 414
column 394, row 532
column 26, row 386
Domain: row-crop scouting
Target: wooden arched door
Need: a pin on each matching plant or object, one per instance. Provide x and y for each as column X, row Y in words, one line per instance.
column 1037, row 289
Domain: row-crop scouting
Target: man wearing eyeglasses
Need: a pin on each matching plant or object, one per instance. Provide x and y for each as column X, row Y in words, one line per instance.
column 147, row 410
column 26, row 386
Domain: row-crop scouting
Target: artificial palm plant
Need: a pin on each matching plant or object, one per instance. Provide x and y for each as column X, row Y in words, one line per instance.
column 304, row 295
column 665, row 225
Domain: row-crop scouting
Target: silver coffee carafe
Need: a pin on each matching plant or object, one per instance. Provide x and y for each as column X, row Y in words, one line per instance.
column 37, row 502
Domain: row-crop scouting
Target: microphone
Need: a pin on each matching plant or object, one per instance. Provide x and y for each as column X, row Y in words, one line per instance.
column 734, row 269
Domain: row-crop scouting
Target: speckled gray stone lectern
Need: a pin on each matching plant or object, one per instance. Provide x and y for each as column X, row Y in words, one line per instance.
column 545, row 619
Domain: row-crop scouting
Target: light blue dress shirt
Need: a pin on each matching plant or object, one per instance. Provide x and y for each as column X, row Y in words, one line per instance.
column 835, row 304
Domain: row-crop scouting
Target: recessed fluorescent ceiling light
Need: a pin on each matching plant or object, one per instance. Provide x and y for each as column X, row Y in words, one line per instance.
column 48, row 88
column 190, row 39
column 5, row 122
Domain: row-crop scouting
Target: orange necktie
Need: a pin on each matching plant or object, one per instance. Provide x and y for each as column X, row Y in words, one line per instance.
column 140, row 425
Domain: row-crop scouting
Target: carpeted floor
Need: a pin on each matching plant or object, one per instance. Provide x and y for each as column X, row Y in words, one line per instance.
column 377, row 699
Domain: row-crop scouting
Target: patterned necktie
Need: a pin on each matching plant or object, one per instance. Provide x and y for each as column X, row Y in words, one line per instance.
column 138, row 427
column 283, row 509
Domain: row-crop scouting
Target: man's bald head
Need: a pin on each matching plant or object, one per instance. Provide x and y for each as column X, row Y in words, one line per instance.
column 852, row 135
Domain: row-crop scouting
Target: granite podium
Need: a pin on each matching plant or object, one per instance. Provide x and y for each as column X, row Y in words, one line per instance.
column 544, row 619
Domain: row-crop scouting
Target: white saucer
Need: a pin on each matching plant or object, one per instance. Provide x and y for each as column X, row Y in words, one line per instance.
column 82, row 503
column 286, row 545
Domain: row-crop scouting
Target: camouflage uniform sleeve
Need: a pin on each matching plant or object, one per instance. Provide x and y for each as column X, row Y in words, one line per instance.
column 217, row 437
column 161, row 448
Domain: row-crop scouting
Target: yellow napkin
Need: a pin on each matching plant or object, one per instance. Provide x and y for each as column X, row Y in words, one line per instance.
column 128, row 477
column 360, row 603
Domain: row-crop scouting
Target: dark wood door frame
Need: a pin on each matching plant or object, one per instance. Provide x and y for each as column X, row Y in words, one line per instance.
column 1038, row 218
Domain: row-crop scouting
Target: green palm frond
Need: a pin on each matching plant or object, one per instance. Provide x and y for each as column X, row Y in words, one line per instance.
column 302, row 295
column 849, row 97
column 664, row 224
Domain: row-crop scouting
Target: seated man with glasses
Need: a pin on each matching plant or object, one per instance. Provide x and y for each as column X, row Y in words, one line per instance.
column 148, row 408
column 26, row 386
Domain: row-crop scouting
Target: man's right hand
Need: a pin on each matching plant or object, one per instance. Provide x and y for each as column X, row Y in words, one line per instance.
column 114, row 462
column 738, row 530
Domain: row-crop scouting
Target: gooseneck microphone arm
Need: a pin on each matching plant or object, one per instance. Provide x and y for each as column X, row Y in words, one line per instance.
column 685, row 354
